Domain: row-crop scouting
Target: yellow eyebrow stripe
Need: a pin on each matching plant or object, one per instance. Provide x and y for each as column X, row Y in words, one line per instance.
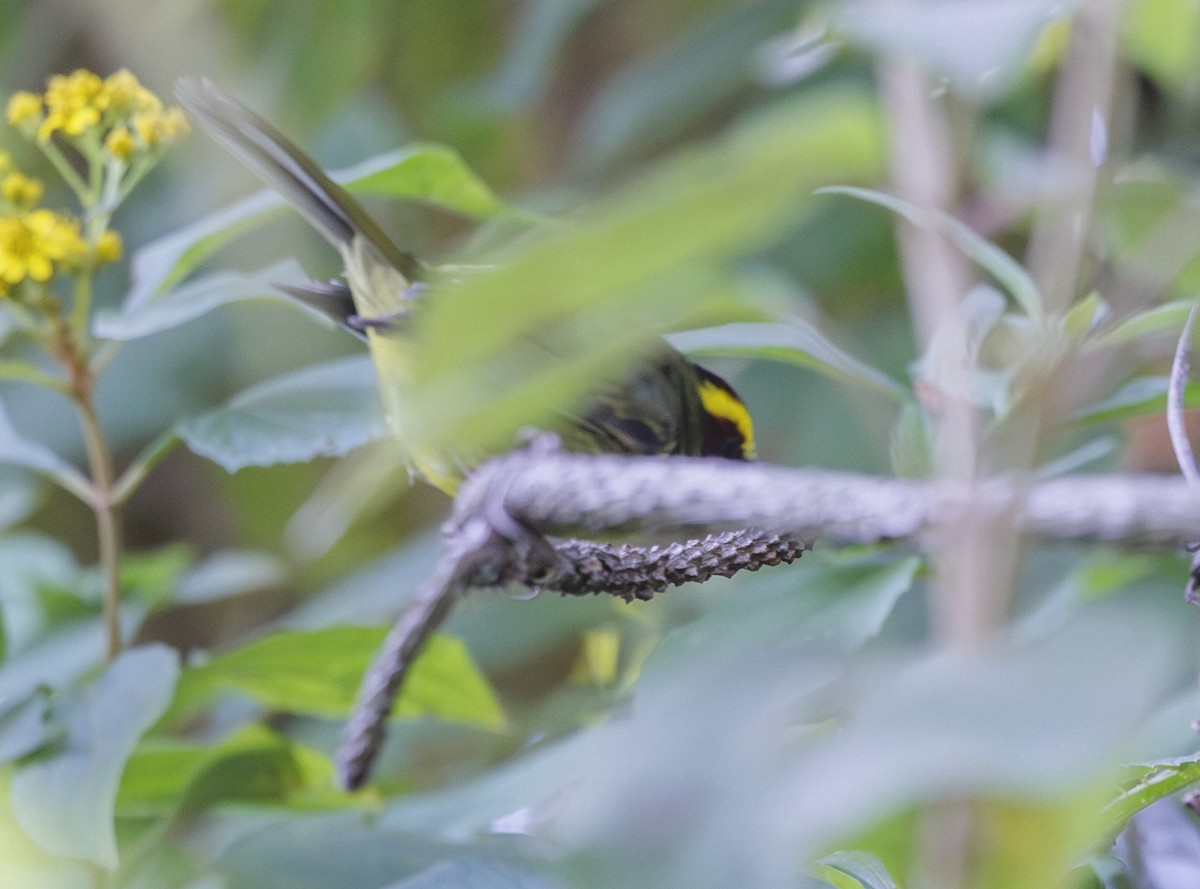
column 721, row 403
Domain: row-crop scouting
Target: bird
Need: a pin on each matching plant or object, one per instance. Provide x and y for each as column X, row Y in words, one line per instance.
column 665, row 405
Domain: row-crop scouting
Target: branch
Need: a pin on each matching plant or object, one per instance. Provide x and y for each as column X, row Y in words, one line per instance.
column 1177, row 427
column 497, row 534
column 490, row 549
column 554, row 492
column 1075, row 152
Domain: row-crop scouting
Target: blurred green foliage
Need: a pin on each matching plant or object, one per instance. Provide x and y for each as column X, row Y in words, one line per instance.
column 624, row 170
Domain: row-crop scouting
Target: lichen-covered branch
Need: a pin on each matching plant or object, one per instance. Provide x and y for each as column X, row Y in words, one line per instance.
column 759, row 515
column 638, row 572
column 488, row 549
column 555, row 492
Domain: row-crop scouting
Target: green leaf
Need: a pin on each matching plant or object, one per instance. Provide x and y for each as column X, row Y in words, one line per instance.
column 252, row 764
column 434, row 174
column 1084, row 315
column 863, row 867
column 56, row 660
column 1009, row 273
column 431, row 173
column 908, row 447
column 318, row 673
column 321, row 850
column 27, row 727
column 23, row 372
column 1036, row 720
column 506, row 347
column 848, row 597
column 445, row 682
column 25, row 864
column 1162, row 37
column 1091, row 451
column 1154, row 781
column 1138, row 397
column 197, row 298
column 164, row 262
column 1105, row 572
column 795, row 342
column 1167, row 318
column 65, row 800
column 21, row 451
column 19, row 496
column 229, row 573
column 322, row 411
column 29, row 564
column 154, row 576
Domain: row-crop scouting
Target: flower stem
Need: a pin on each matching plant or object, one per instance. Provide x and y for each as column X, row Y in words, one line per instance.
column 103, row 501
column 64, row 168
column 108, row 521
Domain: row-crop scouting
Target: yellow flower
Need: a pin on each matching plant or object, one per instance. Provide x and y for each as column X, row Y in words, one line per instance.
column 73, row 104
column 175, row 124
column 119, row 143
column 108, row 246
column 24, row 110
column 121, row 90
column 20, row 191
column 33, row 243
column 157, row 128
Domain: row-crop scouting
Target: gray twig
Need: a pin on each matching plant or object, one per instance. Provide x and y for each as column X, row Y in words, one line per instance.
column 1180, row 369
column 496, row 536
column 561, row 492
column 492, row 547
column 1177, row 426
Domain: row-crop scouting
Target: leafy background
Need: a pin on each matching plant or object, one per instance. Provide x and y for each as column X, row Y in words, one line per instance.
column 803, row 726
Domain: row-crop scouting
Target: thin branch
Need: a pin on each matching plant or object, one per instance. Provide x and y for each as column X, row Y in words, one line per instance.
column 108, row 522
column 479, row 554
column 922, row 169
column 1080, row 111
column 971, row 581
column 557, row 492
column 1177, row 426
column 136, row 472
column 1180, row 369
column 365, row 730
column 503, row 512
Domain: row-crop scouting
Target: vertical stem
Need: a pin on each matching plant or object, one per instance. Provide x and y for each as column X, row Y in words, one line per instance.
column 921, row 166
column 975, row 559
column 81, row 311
column 108, row 522
column 1079, row 117
column 964, row 596
column 82, row 382
column 923, row 172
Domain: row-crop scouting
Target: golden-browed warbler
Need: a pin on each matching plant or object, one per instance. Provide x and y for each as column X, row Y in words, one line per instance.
column 666, row 405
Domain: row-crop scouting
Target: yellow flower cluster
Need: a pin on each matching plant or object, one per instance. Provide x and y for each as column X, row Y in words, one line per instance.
column 115, row 111
column 36, row 242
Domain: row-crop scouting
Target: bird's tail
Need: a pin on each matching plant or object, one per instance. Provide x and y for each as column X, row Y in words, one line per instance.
column 327, row 206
